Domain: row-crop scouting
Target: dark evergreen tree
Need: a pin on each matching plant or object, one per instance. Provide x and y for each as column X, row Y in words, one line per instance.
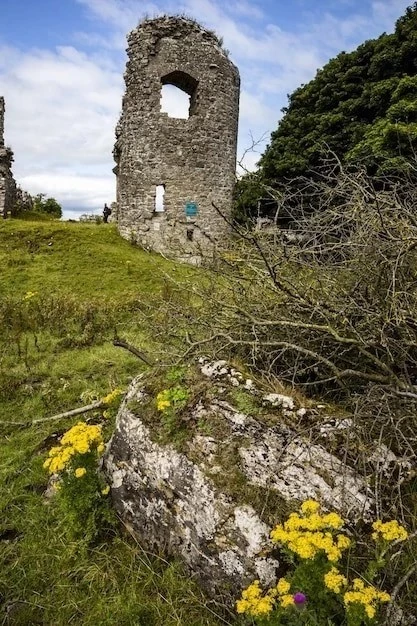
column 362, row 106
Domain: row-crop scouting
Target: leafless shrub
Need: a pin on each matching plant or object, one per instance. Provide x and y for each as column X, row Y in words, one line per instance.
column 328, row 306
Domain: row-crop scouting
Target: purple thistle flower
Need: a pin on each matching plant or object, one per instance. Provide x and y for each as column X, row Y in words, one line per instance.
column 299, row 598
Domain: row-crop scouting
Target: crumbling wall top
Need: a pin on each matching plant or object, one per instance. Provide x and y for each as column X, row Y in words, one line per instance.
column 175, row 26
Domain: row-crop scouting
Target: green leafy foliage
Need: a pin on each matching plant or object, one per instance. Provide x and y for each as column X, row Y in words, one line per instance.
column 81, row 488
column 42, row 204
column 361, row 106
column 170, row 402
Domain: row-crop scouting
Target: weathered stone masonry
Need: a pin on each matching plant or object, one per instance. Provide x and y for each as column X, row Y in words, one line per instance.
column 193, row 161
column 7, row 183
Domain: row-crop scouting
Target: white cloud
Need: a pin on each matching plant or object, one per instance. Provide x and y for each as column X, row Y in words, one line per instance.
column 61, row 111
column 120, row 14
column 246, row 9
column 386, row 12
column 78, row 193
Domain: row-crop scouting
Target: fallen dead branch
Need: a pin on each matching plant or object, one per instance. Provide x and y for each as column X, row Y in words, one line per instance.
column 119, row 343
column 82, row 409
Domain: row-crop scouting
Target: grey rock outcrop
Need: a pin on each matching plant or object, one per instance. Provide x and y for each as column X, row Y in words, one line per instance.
column 170, row 170
column 205, row 500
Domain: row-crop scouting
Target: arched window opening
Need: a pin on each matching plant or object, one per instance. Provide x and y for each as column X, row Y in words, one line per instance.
column 178, row 94
column 159, row 199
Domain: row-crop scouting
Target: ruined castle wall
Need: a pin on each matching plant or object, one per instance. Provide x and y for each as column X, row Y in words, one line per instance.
column 195, row 158
column 7, row 182
column 2, row 110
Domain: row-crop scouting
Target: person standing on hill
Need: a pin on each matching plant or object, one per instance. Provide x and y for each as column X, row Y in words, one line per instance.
column 106, row 213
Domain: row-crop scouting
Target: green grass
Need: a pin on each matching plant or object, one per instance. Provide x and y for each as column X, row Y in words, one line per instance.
column 56, row 354
column 88, row 260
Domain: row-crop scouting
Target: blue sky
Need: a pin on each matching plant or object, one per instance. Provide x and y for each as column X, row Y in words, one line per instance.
column 62, row 63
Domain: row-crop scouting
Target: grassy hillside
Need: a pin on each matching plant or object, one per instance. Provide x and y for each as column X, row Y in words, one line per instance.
column 68, row 289
column 65, row 291
column 86, row 260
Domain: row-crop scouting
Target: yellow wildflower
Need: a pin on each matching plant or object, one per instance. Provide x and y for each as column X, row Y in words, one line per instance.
column 294, row 522
column 253, row 591
column 334, row 580
column 310, row 506
column 29, row 295
column 358, row 584
column 333, row 554
column 80, row 472
column 278, row 534
column 333, row 520
column 112, row 396
column 309, row 533
column 343, row 542
column 263, row 606
column 105, row 491
column 242, row 606
column 283, row 586
column 53, row 451
column 253, row 602
column 383, row 596
column 389, row 531
column 365, row 595
column 286, row 600
column 163, row 404
column 80, row 439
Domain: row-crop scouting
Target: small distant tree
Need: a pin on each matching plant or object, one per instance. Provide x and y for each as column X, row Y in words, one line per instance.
column 42, row 204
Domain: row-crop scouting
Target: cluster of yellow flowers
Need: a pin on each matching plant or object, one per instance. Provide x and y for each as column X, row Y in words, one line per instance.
column 282, row 588
column 308, row 533
column 389, row 531
column 366, row 595
column 112, row 396
column 80, row 439
column 162, row 400
column 255, row 604
column 334, row 580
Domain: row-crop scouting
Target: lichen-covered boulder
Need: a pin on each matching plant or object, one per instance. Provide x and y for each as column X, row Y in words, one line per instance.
column 205, row 480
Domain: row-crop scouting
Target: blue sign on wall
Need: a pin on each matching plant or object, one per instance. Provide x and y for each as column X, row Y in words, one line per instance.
column 191, row 209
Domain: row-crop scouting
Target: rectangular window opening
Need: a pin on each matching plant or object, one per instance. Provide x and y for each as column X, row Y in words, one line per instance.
column 175, row 102
column 159, row 199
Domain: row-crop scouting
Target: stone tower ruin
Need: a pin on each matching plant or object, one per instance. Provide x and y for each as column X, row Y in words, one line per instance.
column 7, row 183
column 170, row 170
